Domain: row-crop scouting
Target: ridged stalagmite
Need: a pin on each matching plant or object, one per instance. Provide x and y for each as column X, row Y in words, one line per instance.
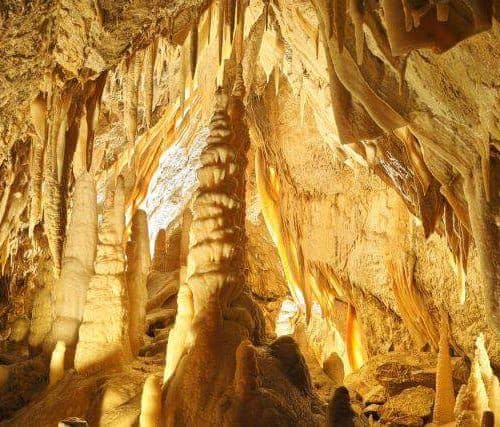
column 104, row 336
column 138, row 263
column 159, row 262
column 445, row 396
column 78, row 263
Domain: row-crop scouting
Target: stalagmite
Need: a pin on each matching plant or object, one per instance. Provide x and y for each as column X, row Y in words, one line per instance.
column 353, row 339
column 41, row 318
column 490, row 380
column 77, row 265
column 212, row 283
column 180, row 336
column 151, row 403
column 138, row 264
column 4, row 201
column 482, row 392
column 57, row 363
column 159, row 262
column 104, row 336
column 445, row 396
column 486, row 235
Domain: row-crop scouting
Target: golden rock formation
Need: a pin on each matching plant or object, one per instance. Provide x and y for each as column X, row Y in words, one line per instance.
column 138, row 263
column 445, row 395
column 103, row 339
column 77, row 265
column 336, row 196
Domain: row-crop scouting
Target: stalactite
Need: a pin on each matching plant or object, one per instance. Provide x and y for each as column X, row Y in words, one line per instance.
column 410, row 302
column 9, row 181
column 53, row 204
column 63, row 109
column 240, row 31
column 220, row 29
column 148, row 73
column 231, row 17
column 445, row 397
column 356, row 11
column 193, row 49
column 269, row 191
column 339, row 14
column 80, row 155
column 442, row 10
column 151, row 403
column 130, row 96
column 57, row 363
column 138, row 268
column 209, row 22
column 39, row 120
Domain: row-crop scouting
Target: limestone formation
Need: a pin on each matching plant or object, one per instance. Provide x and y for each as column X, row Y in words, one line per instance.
column 445, row 396
column 78, row 263
column 57, row 363
column 319, row 179
column 103, row 339
column 138, row 263
column 151, row 403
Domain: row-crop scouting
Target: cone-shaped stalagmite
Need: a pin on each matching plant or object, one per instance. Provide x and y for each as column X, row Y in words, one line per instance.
column 159, row 262
column 445, row 396
column 214, row 279
column 57, row 363
column 151, row 403
column 138, row 263
column 104, row 337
